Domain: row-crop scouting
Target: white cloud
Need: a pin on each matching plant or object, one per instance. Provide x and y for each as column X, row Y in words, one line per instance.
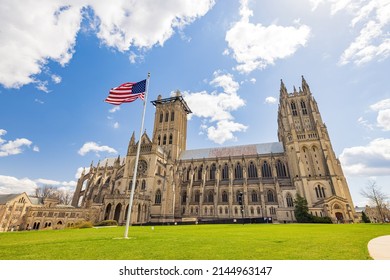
column 371, row 21
column 80, row 171
column 370, row 160
column 224, row 131
column 12, row 147
column 56, row 79
column 36, row 149
column 217, row 107
column 47, row 32
column 55, row 183
column 114, row 109
column 42, row 86
column 255, row 46
column 271, row 100
column 37, row 34
column 9, row 184
column 383, row 109
column 94, row 147
column 144, row 24
column 226, row 82
column 116, row 125
column 365, row 123
column 39, row 101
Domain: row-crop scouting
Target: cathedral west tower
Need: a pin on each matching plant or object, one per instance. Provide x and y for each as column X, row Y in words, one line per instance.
column 314, row 168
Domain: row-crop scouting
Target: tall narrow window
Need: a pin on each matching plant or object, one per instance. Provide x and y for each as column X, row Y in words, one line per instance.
column 252, row 170
column 188, row 174
column 172, row 116
column 197, row 196
column 159, row 140
column 266, row 170
column 238, row 171
column 165, row 140
column 270, row 196
column 166, row 116
column 212, row 171
column 157, row 197
column 254, row 196
column 161, row 117
column 225, row 196
column 200, row 170
column 281, row 169
column 289, row 201
column 210, row 197
column 294, row 109
column 170, row 139
column 303, row 106
column 143, row 185
column 225, row 172
column 184, row 197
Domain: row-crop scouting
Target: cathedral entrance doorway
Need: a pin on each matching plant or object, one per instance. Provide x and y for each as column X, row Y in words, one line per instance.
column 339, row 217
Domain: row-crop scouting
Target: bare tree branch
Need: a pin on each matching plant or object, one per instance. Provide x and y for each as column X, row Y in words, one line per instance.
column 376, row 197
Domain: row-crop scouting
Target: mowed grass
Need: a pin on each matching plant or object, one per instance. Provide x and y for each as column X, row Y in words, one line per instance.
column 196, row 242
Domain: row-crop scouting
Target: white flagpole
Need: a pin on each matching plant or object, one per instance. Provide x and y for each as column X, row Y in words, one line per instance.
column 128, row 223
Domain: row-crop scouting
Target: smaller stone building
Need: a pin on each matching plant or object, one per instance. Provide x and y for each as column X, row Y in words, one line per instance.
column 13, row 209
column 21, row 212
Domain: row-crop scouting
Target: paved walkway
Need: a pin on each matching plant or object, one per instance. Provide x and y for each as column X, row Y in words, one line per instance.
column 379, row 248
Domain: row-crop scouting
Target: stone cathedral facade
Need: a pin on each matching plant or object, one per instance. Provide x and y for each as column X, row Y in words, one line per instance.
column 179, row 185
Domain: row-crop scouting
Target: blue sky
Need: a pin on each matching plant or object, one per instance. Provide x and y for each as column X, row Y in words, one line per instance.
column 60, row 58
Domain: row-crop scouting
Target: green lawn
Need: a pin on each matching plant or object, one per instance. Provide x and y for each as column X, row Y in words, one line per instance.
column 196, row 242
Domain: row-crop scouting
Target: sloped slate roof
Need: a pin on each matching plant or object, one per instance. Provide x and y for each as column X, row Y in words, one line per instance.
column 253, row 149
column 4, row 198
column 111, row 161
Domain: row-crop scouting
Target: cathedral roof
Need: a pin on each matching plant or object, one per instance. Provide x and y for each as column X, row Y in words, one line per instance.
column 246, row 150
column 110, row 161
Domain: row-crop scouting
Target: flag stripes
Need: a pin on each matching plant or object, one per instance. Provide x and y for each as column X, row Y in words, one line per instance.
column 127, row 92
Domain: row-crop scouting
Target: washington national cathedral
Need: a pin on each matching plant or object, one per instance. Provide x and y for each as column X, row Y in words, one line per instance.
column 179, row 185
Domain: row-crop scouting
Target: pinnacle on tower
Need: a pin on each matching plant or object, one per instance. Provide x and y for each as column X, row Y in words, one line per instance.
column 132, row 139
column 305, row 86
column 283, row 90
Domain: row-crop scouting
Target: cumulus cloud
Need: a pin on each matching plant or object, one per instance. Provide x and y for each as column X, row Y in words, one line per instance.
column 223, row 131
column 94, row 147
column 37, row 34
column 371, row 21
column 370, row 160
column 80, row 171
column 270, row 100
column 9, row 184
column 13, row 147
column 383, row 109
column 255, row 46
column 47, row 32
column 116, row 125
column 216, row 107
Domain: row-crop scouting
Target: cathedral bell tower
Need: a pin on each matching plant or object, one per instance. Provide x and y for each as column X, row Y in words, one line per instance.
column 314, row 168
column 170, row 124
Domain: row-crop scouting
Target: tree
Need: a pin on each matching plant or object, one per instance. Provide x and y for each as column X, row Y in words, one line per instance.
column 301, row 210
column 46, row 191
column 365, row 218
column 64, row 196
column 376, row 197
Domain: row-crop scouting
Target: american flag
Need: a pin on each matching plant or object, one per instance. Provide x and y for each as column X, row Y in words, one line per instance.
column 127, row 92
